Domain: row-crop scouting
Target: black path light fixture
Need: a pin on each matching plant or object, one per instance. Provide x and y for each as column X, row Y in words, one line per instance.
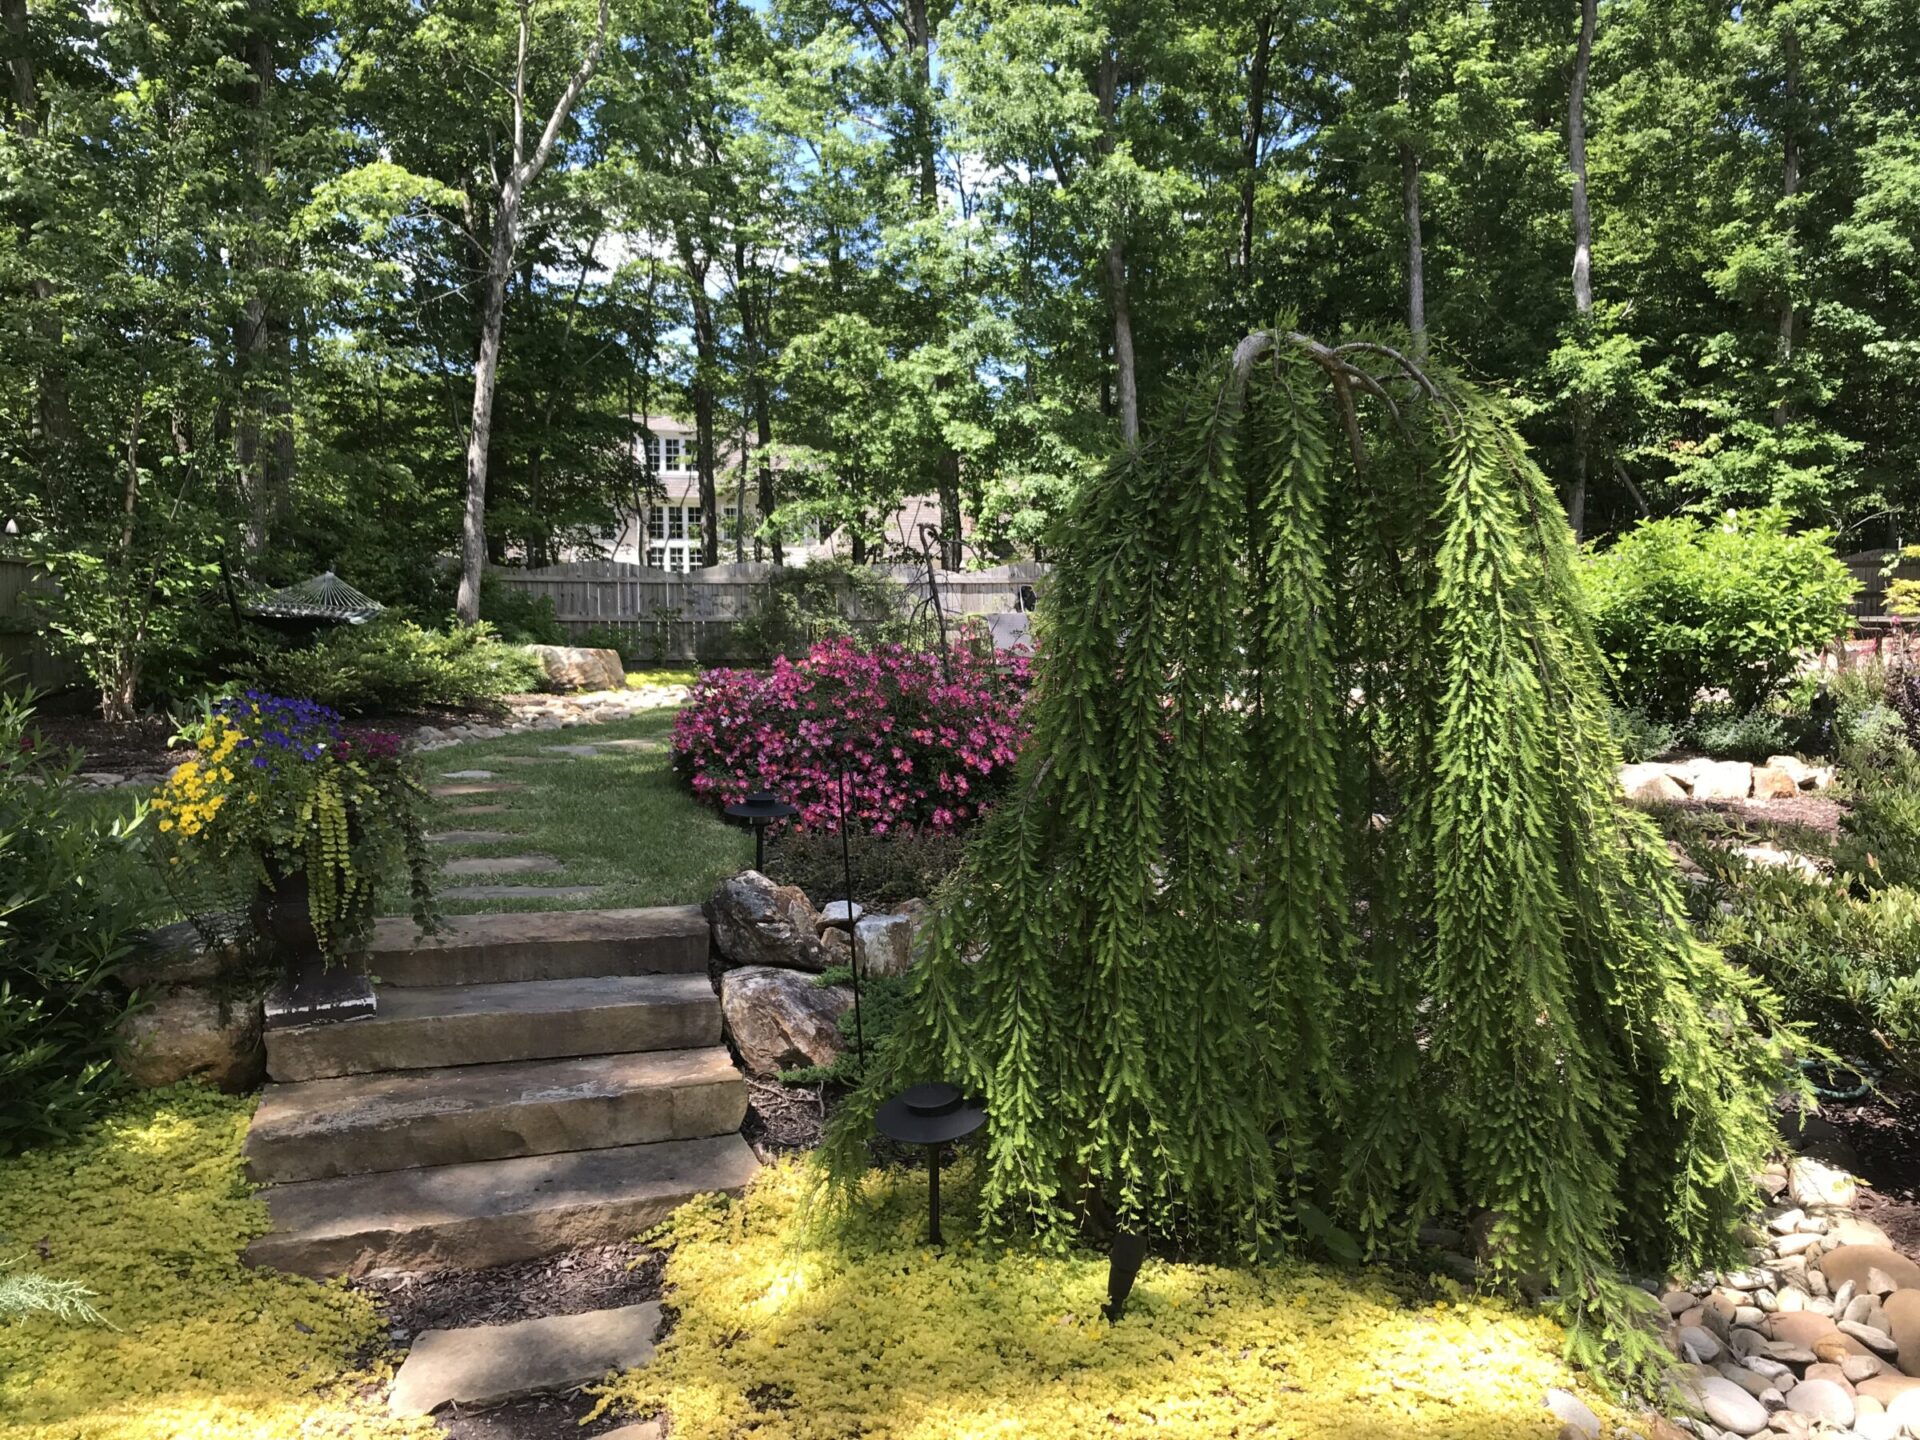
column 759, row 810
column 1124, row 1258
column 932, row 1115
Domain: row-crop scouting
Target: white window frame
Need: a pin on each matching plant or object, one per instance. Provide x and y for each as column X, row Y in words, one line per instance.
column 673, row 537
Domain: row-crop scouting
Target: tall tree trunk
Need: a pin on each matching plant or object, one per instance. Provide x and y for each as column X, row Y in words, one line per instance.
column 1126, row 377
column 1410, row 198
column 1253, row 134
column 753, row 342
column 486, row 366
column 51, row 418
column 1582, row 251
column 1789, row 187
column 946, row 460
column 255, row 341
column 705, row 361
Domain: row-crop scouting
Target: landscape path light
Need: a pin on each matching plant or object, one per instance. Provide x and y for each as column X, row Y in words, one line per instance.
column 759, row 810
column 932, row 1115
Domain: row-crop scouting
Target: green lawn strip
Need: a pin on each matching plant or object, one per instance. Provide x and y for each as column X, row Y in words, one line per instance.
column 617, row 819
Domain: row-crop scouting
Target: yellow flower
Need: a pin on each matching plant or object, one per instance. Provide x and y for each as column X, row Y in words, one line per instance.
column 166, row 825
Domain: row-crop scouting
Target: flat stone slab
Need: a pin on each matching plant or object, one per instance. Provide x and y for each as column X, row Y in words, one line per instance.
column 471, row 837
column 495, row 1212
column 421, row 1027
column 636, row 743
column 502, row 865
column 491, row 1364
column 542, row 945
column 578, row 752
column 520, row 892
column 468, row 775
column 474, row 787
column 521, row 760
column 399, row 1119
column 474, row 812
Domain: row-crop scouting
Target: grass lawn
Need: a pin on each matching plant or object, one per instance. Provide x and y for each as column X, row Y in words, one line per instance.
column 616, row 819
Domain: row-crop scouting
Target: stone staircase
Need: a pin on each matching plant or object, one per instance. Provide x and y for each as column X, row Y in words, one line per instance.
column 531, row 1082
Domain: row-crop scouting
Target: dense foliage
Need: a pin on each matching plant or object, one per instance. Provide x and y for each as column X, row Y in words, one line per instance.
column 65, row 929
column 1305, row 665
column 875, row 250
column 396, row 665
column 1683, row 605
column 148, row 1213
column 276, row 788
column 887, row 868
column 925, row 739
column 824, row 600
column 856, row 1326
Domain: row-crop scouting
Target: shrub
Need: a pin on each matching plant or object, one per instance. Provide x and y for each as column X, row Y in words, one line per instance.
column 65, row 930
column 1638, row 736
column 886, row 868
column 394, row 665
column 518, row 617
column 923, row 751
column 1847, row 966
column 829, row 600
column 1680, row 606
column 1880, row 832
column 1728, row 734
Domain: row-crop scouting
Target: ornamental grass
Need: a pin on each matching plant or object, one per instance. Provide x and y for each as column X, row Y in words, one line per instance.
column 150, row 1211
column 796, row 1323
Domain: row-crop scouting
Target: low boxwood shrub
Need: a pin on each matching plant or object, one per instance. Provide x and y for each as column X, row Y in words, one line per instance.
column 66, row 928
column 396, row 665
column 1681, row 605
column 927, row 740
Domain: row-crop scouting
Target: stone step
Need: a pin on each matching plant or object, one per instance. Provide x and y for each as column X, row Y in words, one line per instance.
column 471, row 837
column 547, row 945
column 429, row 1026
column 483, row 1365
column 400, row 1119
column 519, row 892
column 502, row 865
column 497, row 1212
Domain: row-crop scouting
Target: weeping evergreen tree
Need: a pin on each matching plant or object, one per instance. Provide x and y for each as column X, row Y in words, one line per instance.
column 1313, row 910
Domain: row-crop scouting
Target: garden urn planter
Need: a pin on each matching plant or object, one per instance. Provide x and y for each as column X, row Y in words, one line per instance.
column 309, row 991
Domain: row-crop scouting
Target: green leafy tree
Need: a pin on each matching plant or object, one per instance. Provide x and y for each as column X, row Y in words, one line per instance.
column 1314, row 910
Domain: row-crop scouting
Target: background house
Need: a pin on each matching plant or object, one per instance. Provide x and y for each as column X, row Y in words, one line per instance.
column 665, row 535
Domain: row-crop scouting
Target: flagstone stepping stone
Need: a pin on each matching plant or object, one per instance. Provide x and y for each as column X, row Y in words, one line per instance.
column 502, row 865
column 491, row 1364
column 519, row 892
column 636, row 743
column 468, row 775
column 521, row 760
column 578, row 752
column 470, row 837
column 497, row 787
column 469, row 812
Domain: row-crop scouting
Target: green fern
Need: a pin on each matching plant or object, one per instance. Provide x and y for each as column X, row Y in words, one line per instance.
column 1313, row 910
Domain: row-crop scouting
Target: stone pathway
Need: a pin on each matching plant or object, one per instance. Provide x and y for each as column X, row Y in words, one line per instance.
column 520, row 892
column 530, row 1083
column 464, row 784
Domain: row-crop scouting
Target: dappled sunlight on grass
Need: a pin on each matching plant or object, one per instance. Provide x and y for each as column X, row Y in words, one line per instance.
column 151, row 1212
column 808, row 1325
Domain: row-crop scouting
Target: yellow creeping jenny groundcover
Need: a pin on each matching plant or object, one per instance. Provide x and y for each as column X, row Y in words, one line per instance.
column 799, row 1325
column 151, row 1211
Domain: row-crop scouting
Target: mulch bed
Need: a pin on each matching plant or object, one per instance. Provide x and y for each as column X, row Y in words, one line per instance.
column 593, row 1277
column 783, row 1119
column 1884, row 1132
column 1758, row 818
column 539, row 1417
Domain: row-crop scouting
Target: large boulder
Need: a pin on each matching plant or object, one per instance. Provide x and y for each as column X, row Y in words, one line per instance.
column 782, row 1020
column 574, row 667
column 1722, row 780
column 756, row 922
column 1651, row 783
column 188, row 1034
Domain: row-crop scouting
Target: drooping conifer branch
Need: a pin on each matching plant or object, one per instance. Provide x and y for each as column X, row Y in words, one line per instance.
column 1314, row 911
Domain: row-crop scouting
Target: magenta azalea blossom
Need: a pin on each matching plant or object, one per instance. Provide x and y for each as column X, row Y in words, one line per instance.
column 923, row 749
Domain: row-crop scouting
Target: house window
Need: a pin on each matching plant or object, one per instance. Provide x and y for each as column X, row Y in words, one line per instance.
column 669, row 454
column 673, row 537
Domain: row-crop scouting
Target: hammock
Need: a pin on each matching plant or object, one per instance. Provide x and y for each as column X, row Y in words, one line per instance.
column 325, row 597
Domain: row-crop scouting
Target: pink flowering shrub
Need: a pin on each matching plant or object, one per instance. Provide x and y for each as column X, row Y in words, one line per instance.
column 922, row 751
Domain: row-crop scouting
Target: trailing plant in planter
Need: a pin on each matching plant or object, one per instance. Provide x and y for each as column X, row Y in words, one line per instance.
column 313, row 812
column 1312, row 911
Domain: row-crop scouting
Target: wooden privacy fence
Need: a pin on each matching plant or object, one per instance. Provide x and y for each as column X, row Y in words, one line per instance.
column 685, row 617
column 24, row 656
column 1870, row 598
